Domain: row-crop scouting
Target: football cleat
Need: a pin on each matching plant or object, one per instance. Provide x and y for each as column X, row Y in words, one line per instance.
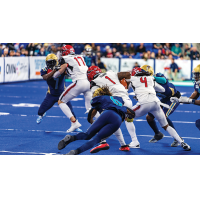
column 65, row 141
column 74, row 126
column 175, row 143
column 72, row 152
column 102, row 146
column 134, row 145
column 124, row 148
column 40, row 118
column 185, row 146
column 157, row 137
column 78, row 130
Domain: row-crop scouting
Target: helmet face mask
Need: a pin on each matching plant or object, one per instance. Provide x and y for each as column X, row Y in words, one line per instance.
column 88, row 50
column 51, row 61
column 196, row 76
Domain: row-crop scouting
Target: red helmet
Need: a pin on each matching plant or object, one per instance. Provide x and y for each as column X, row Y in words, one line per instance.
column 67, row 49
column 135, row 70
column 92, row 72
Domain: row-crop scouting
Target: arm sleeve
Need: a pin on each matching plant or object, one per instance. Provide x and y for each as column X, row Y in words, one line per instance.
column 159, row 88
column 160, row 80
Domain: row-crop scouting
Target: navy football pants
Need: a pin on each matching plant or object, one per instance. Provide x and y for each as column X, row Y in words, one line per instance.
column 49, row 101
column 105, row 125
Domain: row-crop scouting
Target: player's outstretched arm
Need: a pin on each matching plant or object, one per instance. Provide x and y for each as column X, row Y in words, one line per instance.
column 194, row 95
column 61, row 70
column 49, row 75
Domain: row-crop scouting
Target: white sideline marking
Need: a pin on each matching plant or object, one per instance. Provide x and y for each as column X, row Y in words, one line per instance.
column 29, row 153
column 1, row 113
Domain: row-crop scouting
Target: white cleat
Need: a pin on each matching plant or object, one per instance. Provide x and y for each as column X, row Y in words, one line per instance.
column 134, row 145
column 74, row 126
column 40, row 118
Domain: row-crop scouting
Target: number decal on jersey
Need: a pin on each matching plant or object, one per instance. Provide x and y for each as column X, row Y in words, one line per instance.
column 76, row 58
column 110, row 79
column 57, row 80
column 115, row 101
column 144, row 81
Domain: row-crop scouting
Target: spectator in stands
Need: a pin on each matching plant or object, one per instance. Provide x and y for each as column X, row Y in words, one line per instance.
column 10, row 46
column 170, row 57
column 18, row 53
column 176, row 50
column 125, row 55
column 141, row 49
column 194, row 54
column 132, row 50
column 23, row 53
column 26, row 52
column 145, row 56
column 159, row 54
column 157, row 46
column 16, row 46
column 173, row 71
column 98, row 55
column 166, row 47
column 186, row 52
column 167, row 53
column 46, row 45
column 5, row 52
column 118, row 55
column 78, row 47
column 31, row 49
column 162, row 57
column 11, row 53
column 124, row 48
column 53, row 49
column 114, row 51
column 119, row 47
column 101, row 65
column 109, row 53
column 42, row 52
column 136, row 65
column 153, row 55
column 181, row 57
column 149, row 54
column 0, row 50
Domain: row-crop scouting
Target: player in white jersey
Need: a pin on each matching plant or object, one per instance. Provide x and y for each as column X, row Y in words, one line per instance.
column 111, row 79
column 77, row 69
column 144, row 86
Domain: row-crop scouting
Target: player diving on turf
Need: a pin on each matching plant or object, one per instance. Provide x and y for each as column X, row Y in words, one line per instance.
column 54, row 75
column 194, row 96
column 112, row 115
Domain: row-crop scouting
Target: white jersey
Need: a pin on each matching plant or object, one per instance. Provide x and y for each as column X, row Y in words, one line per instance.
column 77, row 68
column 144, row 88
column 110, row 79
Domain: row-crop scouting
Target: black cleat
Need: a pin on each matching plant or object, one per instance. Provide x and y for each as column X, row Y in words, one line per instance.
column 185, row 146
column 64, row 142
column 157, row 137
column 72, row 152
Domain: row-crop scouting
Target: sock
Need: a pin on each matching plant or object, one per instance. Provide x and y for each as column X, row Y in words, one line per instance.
column 66, row 110
column 170, row 123
column 120, row 137
column 174, row 134
column 153, row 125
column 73, row 121
column 131, row 129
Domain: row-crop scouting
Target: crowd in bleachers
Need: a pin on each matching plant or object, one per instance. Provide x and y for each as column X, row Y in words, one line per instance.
column 108, row 50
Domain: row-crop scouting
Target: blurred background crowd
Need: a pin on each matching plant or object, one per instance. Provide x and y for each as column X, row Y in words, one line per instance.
column 108, row 50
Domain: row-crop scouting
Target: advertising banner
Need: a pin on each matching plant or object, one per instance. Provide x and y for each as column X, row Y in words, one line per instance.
column 111, row 64
column 127, row 64
column 1, row 70
column 163, row 67
column 16, row 69
column 36, row 64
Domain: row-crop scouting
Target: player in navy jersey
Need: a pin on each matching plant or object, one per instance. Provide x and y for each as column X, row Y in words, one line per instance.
column 88, row 57
column 55, row 85
column 112, row 115
column 195, row 95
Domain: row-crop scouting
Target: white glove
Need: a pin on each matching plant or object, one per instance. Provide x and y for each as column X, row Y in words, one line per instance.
column 174, row 100
column 181, row 100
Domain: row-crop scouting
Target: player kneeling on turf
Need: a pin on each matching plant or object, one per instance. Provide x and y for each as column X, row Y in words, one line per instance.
column 112, row 115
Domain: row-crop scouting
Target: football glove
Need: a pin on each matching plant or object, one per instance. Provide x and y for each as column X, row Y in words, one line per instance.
column 61, row 61
column 182, row 100
column 56, row 68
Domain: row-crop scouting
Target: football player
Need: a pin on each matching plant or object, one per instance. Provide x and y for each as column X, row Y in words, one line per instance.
column 170, row 91
column 76, row 68
column 55, row 84
column 112, row 115
column 194, row 96
column 88, row 57
column 144, row 86
column 112, row 80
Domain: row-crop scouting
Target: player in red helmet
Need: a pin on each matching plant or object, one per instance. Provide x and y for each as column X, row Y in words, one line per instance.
column 112, row 80
column 77, row 69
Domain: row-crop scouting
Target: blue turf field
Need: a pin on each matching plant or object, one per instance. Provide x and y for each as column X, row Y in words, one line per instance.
column 19, row 103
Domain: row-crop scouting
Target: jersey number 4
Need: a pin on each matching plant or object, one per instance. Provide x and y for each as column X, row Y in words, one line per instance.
column 76, row 58
column 144, row 81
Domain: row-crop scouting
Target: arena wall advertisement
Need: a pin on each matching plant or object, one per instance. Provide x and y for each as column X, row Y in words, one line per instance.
column 36, row 64
column 111, row 64
column 16, row 69
column 1, row 70
column 162, row 66
column 127, row 64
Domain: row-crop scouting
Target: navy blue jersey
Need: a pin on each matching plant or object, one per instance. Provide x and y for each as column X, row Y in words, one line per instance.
column 101, row 103
column 197, row 87
column 55, row 85
column 170, row 90
column 89, row 60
